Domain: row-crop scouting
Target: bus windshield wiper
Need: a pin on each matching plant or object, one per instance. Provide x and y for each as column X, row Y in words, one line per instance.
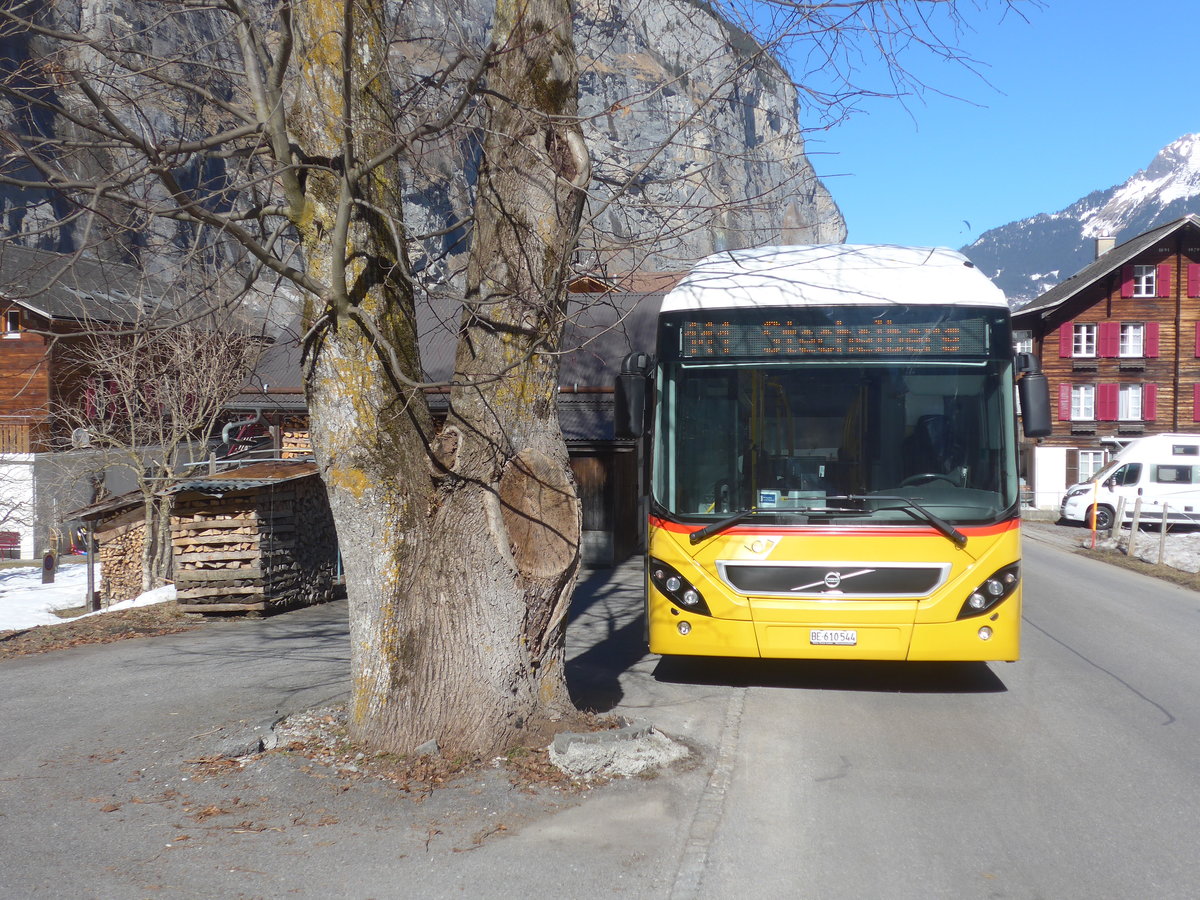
column 917, row 511
column 716, row 527
column 802, row 514
column 914, row 509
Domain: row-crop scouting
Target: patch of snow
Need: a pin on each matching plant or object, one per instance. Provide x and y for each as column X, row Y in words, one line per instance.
column 26, row 603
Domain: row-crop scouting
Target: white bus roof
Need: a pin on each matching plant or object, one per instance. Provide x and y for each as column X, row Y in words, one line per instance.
column 833, row 274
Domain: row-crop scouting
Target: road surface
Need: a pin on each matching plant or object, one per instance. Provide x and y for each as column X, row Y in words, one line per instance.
column 1068, row 774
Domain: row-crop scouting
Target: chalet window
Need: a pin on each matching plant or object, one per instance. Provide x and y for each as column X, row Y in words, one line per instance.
column 1090, row 462
column 1022, row 341
column 1129, row 407
column 1083, row 402
column 1145, row 281
column 12, row 323
column 1133, row 339
column 1084, row 341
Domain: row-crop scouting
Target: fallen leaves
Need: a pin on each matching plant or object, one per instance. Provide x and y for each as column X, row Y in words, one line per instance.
column 142, row 621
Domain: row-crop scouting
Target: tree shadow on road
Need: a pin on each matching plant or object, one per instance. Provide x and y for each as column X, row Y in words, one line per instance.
column 605, row 637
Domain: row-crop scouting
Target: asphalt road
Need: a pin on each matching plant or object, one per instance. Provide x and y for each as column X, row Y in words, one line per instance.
column 1068, row 774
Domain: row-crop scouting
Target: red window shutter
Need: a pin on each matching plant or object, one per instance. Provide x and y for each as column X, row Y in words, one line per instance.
column 1064, row 402
column 1106, row 403
column 1163, row 280
column 1150, row 402
column 1109, row 339
column 1127, row 280
column 1066, row 340
column 1196, row 402
column 1193, row 280
column 1151, row 348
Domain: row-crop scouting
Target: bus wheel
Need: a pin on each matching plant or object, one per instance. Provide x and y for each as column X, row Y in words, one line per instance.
column 1104, row 517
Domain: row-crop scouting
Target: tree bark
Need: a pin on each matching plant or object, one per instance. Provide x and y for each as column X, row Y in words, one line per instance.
column 460, row 549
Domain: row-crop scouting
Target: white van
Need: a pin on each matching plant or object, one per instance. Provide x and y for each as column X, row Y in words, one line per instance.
column 1162, row 469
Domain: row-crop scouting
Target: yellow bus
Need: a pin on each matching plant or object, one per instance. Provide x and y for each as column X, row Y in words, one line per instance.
column 832, row 456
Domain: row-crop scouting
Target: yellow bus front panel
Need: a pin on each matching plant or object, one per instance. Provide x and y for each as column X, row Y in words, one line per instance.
column 899, row 593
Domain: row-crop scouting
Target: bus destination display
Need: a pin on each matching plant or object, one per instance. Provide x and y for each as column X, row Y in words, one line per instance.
column 882, row 337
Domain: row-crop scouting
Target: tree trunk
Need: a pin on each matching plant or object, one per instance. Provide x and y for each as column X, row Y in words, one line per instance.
column 461, row 550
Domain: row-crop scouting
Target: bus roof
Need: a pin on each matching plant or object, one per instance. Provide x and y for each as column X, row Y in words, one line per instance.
column 833, row 274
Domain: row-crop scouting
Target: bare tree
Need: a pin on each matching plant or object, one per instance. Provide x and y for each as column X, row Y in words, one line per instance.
column 147, row 400
column 293, row 129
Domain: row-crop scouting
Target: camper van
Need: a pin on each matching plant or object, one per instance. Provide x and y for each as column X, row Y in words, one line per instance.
column 1163, row 470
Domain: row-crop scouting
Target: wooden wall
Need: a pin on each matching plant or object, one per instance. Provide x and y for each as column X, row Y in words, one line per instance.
column 24, row 369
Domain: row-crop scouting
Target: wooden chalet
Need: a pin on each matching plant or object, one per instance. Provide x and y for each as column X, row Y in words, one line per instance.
column 1119, row 342
column 45, row 299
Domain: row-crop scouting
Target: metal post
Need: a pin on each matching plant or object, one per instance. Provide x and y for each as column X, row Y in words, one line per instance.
column 1162, row 537
column 93, row 601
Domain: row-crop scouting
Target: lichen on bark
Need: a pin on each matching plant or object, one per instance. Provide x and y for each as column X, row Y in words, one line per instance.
column 460, row 546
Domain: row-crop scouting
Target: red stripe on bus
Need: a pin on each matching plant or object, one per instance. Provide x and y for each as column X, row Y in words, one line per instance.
column 840, row 530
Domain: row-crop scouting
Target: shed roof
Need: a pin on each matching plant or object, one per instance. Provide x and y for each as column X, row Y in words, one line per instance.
column 245, row 478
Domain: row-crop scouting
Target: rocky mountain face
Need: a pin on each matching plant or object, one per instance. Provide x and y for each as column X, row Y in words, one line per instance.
column 1027, row 257
column 701, row 123
column 692, row 127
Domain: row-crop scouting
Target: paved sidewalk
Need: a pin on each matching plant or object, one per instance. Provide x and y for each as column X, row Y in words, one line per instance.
column 101, row 795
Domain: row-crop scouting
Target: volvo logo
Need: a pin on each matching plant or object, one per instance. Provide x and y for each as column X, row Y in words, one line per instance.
column 832, row 580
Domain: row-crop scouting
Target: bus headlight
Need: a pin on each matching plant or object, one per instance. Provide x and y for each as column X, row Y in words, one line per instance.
column 676, row 588
column 992, row 592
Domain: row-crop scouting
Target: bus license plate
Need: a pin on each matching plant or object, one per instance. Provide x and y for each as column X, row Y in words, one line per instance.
column 840, row 637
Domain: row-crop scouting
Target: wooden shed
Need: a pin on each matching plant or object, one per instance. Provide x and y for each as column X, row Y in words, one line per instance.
column 119, row 530
column 258, row 539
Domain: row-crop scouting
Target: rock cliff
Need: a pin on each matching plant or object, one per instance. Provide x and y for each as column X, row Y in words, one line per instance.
column 692, row 127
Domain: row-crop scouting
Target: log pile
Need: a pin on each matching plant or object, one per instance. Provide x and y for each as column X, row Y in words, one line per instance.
column 121, row 543
column 260, row 548
column 294, row 438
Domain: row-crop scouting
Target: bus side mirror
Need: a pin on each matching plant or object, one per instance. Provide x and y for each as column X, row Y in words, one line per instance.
column 1034, row 393
column 629, row 408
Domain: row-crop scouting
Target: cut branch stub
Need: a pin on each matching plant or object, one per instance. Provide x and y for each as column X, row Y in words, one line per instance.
column 541, row 515
column 444, row 450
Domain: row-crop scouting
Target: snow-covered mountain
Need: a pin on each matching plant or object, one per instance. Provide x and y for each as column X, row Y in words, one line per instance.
column 1027, row 257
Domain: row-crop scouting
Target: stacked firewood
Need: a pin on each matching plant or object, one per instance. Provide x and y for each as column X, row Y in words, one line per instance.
column 120, row 557
column 264, row 549
column 216, row 542
column 294, row 438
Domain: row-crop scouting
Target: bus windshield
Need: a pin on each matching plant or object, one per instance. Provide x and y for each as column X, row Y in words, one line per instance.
column 836, row 440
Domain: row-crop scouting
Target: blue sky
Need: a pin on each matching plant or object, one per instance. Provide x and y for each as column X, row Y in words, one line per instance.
column 1077, row 98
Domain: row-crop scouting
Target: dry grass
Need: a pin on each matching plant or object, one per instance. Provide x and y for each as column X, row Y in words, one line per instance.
column 143, row 621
